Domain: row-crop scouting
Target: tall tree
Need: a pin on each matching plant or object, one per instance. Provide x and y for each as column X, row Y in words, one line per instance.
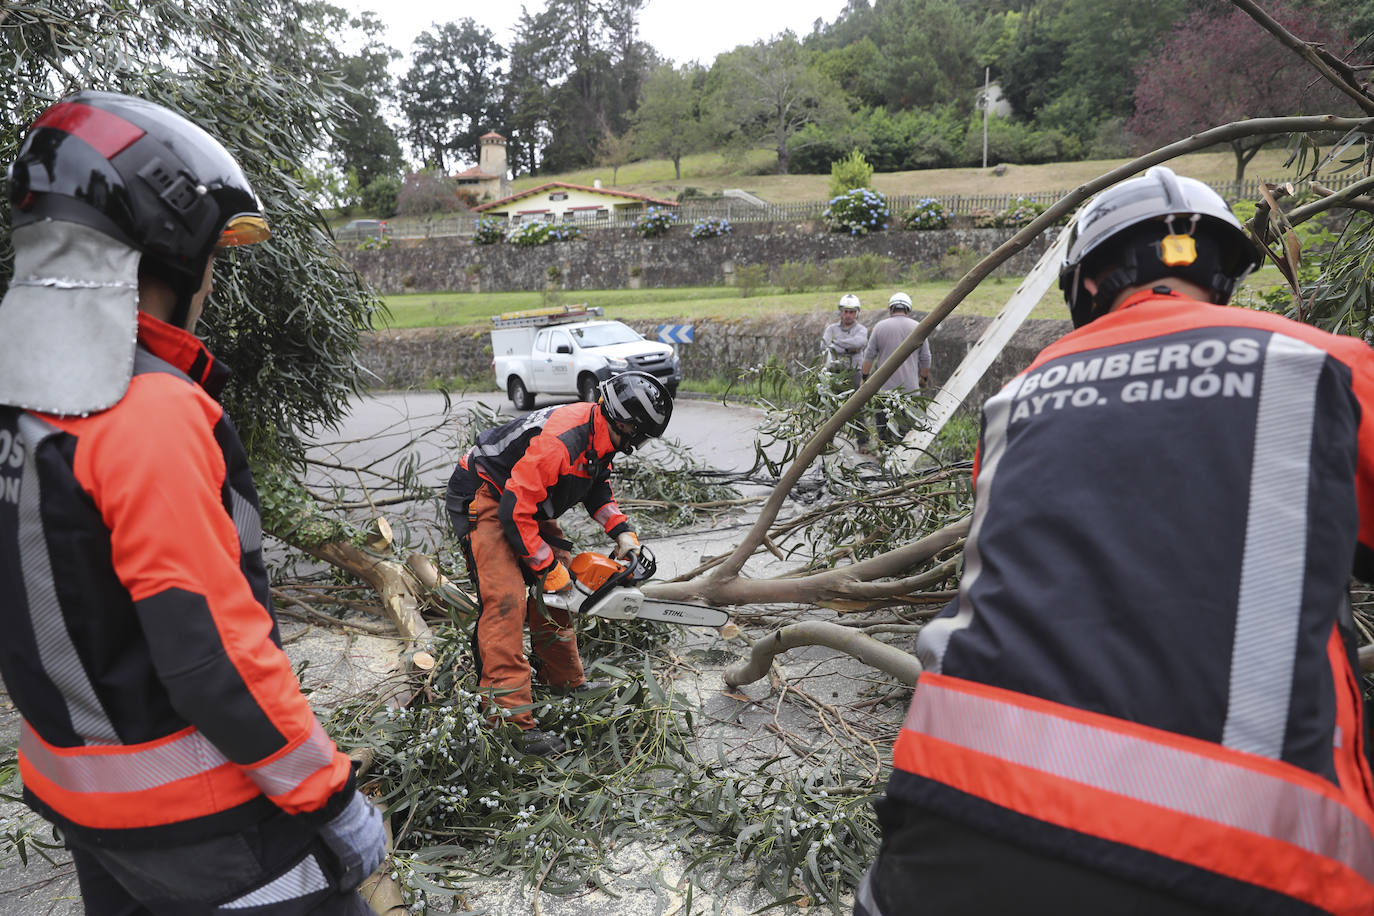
column 1220, row 67
column 668, row 120
column 576, row 70
column 764, row 94
column 453, row 93
column 367, row 145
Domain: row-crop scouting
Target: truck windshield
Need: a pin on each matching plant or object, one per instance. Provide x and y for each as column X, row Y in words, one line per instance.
column 603, row 335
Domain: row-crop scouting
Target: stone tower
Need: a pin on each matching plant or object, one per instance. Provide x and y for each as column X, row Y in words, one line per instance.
column 493, row 156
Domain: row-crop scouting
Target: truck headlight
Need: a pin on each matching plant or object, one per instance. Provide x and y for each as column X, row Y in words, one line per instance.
column 620, row 365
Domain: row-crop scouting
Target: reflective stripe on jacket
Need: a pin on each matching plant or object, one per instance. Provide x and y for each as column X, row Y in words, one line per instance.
column 1150, row 665
column 543, row 464
column 141, row 648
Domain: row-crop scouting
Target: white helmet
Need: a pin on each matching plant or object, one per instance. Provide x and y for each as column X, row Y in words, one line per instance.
column 1122, row 227
column 849, row 301
column 900, row 302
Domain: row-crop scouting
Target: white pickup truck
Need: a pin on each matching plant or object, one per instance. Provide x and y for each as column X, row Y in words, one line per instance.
column 563, row 353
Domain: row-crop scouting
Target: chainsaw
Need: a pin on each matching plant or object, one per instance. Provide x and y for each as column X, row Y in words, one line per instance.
column 606, row 587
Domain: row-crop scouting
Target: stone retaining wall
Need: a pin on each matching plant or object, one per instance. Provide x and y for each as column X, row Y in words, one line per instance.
column 620, row 259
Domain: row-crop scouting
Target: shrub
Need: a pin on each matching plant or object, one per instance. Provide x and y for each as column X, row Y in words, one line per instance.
column 750, row 277
column 380, row 195
column 654, row 222
column 1019, row 211
column 928, row 213
column 800, row 276
column 865, row 271
column 857, row 212
column 428, row 191
column 489, row 231
column 541, row 233
column 850, row 173
column 955, row 262
column 710, row 227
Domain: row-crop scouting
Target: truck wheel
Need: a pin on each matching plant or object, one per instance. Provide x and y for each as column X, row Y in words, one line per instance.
column 519, row 394
column 587, row 386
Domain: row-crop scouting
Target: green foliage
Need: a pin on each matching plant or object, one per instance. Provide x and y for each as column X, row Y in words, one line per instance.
column 452, row 93
column 667, row 487
column 711, row 227
column 800, row 276
column 850, row 173
column 1018, row 212
column 668, row 119
column 928, row 213
column 857, row 212
column 380, row 197
column 654, row 222
column 750, row 278
column 489, row 230
column 460, row 801
column 538, row 232
column 865, row 271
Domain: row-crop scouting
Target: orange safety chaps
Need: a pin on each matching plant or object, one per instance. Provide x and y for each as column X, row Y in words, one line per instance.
column 504, row 608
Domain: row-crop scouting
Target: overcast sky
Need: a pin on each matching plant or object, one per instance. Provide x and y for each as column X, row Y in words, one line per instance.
column 681, row 30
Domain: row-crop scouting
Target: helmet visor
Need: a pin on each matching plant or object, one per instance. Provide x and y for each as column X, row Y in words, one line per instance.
column 244, row 229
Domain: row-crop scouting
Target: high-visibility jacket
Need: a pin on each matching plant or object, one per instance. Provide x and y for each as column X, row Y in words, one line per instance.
column 543, row 464
column 1150, row 668
column 140, row 644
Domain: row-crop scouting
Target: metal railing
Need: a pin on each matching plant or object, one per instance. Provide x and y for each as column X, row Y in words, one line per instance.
column 734, row 210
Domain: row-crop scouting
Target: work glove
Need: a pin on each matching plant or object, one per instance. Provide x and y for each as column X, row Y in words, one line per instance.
column 626, row 543
column 557, row 579
column 356, row 836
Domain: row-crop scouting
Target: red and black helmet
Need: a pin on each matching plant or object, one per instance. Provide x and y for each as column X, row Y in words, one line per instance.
column 638, row 401
column 140, row 173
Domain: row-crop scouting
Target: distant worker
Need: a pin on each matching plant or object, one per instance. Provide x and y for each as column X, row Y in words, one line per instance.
column 913, row 374
column 164, row 732
column 842, row 342
column 1145, row 698
column 842, row 345
column 504, row 499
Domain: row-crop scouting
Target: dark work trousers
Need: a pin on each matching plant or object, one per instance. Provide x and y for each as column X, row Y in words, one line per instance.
column 932, row 866
column 277, row 868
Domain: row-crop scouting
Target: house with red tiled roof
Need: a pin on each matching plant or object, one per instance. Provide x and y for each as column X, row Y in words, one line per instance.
column 561, row 202
column 487, row 179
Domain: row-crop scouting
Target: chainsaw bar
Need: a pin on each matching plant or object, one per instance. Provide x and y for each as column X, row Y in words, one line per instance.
column 627, row 603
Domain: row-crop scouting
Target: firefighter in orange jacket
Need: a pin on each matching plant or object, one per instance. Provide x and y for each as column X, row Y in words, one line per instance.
column 503, row 500
column 1145, row 698
column 163, row 729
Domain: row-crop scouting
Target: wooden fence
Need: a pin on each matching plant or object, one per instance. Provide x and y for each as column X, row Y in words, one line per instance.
column 734, row 210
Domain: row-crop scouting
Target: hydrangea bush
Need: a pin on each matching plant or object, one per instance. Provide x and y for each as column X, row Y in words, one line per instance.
column 710, row 227
column 541, row 233
column 857, row 212
column 928, row 213
column 654, row 222
column 489, row 231
column 1019, row 211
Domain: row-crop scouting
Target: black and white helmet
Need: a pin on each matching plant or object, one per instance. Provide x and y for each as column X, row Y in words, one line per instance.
column 638, row 401
column 900, row 302
column 849, row 302
column 1121, row 231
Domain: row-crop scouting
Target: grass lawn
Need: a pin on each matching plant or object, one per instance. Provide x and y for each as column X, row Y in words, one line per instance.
column 422, row 310
column 716, row 172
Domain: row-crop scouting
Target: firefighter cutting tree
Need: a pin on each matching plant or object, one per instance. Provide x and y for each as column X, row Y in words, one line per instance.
column 504, row 499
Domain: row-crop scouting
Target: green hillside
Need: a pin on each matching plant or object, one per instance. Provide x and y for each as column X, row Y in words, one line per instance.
column 710, row 172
